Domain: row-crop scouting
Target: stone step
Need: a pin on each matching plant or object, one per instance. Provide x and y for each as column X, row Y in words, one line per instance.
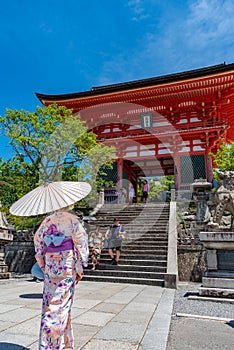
column 146, row 253
column 114, row 279
column 148, row 240
column 145, row 229
column 139, row 236
column 141, row 262
column 134, row 217
column 143, row 236
column 144, row 244
column 112, row 210
column 153, row 250
column 112, row 207
column 218, row 282
column 147, row 233
column 129, row 274
column 152, row 216
column 217, row 292
column 131, row 227
column 121, row 266
column 133, row 210
column 139, row 256
column 130, row 217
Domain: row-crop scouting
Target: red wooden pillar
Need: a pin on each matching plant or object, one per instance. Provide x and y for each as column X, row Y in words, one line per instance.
column 208, row 165
column 119, row 176
column 177, row 172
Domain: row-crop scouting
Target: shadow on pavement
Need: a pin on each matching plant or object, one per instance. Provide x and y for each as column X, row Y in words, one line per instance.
column 187, row 294
column 230, row 323
column 31, row 296
column 10, row 346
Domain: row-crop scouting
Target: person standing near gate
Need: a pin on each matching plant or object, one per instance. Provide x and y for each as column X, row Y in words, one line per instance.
column 114, row 236
column 145, row 190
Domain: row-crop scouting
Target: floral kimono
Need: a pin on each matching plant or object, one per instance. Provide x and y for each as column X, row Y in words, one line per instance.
column 61, row 250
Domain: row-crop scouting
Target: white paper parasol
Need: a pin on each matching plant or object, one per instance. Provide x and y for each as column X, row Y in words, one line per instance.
column 49, row 197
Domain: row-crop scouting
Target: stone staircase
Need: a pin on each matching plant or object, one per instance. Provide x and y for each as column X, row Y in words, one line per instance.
column 144, row 255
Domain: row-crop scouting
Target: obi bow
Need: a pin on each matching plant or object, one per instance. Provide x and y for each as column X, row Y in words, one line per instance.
column 55, row 239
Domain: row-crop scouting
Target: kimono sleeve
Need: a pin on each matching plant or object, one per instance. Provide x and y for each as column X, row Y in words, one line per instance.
column 40, row 247
column 80, row 243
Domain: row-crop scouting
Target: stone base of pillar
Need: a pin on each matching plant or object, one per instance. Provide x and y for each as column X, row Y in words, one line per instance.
column 218, row 281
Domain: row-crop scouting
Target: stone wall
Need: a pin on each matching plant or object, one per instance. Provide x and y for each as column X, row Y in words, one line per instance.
column 191, row 253
column 19, row 256
column 191, row 262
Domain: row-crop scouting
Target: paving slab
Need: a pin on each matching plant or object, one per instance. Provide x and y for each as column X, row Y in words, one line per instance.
column 94, row 318
column 108, row 307
column 5, row 325
column 96, row 344
column 8, row 307
column 134, row 316
column 18, row 339
column 122, row 331
column 30, row 327
column 83, row 334
column 122, row 297
column 19, row 315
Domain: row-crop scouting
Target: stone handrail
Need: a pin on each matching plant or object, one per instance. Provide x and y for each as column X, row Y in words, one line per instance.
column 171, row 278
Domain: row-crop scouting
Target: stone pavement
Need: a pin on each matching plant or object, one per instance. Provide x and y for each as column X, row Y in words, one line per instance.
column 104, row 315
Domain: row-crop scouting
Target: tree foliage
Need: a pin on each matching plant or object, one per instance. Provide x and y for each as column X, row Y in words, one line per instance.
column 224, row 157
column 159, row 185
column 47, row 139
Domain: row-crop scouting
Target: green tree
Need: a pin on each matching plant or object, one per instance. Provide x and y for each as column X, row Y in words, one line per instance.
column 158, row 185
column 47, row 139
column 224, row 157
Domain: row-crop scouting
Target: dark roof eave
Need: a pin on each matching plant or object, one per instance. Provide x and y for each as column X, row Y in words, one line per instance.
column 196, row 73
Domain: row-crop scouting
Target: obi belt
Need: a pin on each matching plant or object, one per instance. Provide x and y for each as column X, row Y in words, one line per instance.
column 58, row 243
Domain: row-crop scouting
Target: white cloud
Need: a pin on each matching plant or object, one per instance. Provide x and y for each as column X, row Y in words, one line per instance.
column 209, row 21
column 136, row 6
column 194, row 37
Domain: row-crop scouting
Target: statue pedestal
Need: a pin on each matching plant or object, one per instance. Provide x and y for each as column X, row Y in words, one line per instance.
column 218, row 280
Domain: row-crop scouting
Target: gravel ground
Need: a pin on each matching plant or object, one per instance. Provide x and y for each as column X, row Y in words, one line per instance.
column 196, row 333
column 199, row 307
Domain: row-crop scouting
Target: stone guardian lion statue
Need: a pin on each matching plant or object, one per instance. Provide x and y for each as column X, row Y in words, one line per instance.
column 224, row 197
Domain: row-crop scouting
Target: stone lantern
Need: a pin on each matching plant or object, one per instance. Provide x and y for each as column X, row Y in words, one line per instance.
column 201, row 190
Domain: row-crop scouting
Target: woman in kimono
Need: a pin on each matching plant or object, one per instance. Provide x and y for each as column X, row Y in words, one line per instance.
column 61, row 250
column 95, row 245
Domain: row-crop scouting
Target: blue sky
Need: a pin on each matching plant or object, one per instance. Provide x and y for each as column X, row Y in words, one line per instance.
column 65, row 46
